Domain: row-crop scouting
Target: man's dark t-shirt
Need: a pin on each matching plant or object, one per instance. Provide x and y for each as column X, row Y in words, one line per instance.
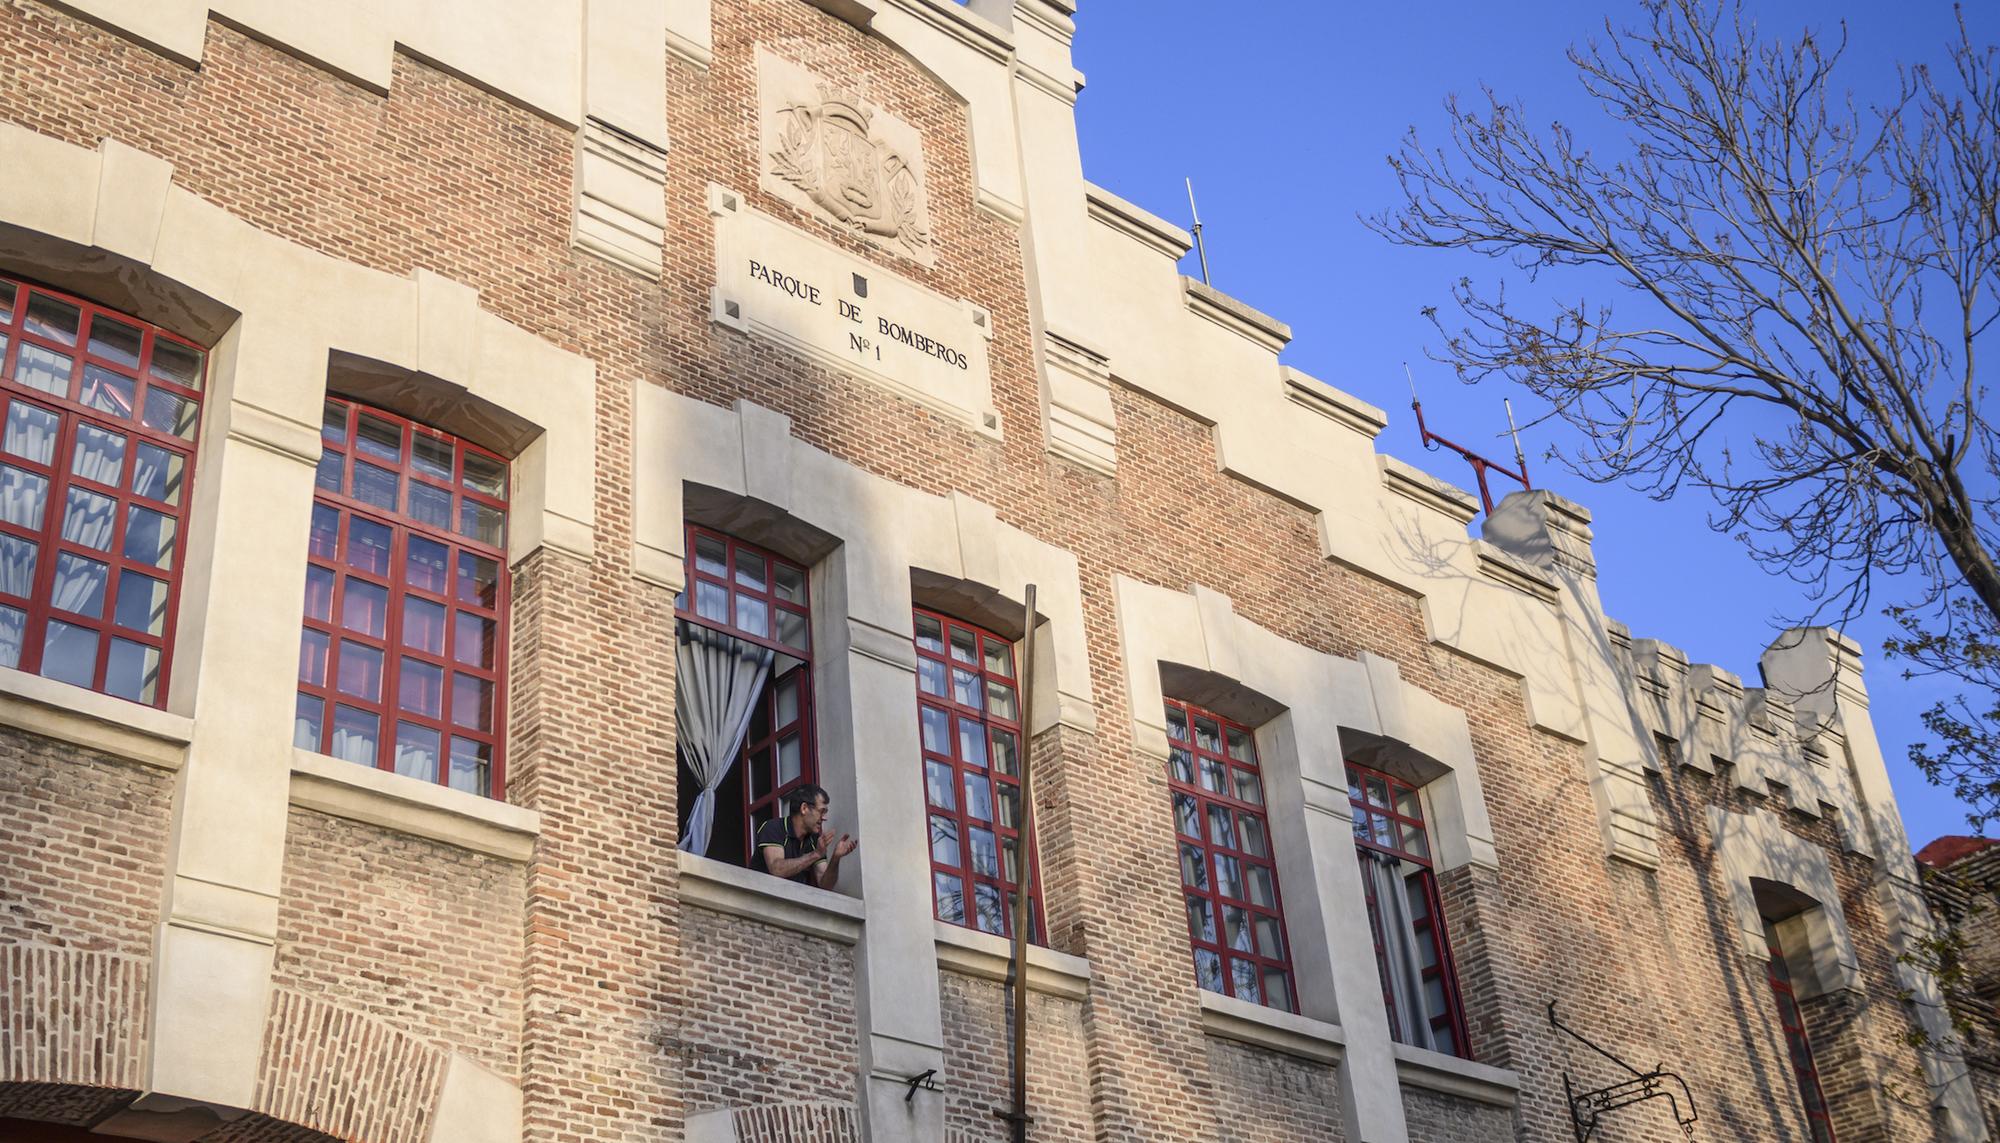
column 779, row 833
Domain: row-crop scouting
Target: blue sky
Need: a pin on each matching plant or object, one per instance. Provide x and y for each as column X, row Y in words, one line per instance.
column 1283, row 113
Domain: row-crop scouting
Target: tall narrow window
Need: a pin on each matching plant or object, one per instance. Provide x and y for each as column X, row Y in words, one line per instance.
column 98, row 414
column 1419, row 984
column 1236, row 922
column 743, row 703
column 1818, row 1119
column 403, row 657
column 969, row 710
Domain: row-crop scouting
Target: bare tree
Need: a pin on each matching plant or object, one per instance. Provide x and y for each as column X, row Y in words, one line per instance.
column 1803, row 287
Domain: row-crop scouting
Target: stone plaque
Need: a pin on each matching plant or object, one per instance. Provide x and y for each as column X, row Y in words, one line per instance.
column 778, row 282
column 829, row 152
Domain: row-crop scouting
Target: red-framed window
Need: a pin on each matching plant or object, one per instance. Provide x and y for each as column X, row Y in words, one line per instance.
column 755, row 595
column 1819, row 1120
column 968, row 708
column 98, row 418
column 403, row 652
column 1411, row 947
column 1236, row 918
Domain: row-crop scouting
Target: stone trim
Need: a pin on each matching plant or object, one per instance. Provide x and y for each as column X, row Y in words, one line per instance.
column 989, row 957
column 1342, row 409
column 1412, row 483
column 94, row 721
column 408, row 805
column 1449, row 1075
column 1136, row 223
column 1206, row 301
column 735, row 892
column 1227, row 1018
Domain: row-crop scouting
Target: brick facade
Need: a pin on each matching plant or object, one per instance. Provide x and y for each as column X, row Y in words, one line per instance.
column 573, row 975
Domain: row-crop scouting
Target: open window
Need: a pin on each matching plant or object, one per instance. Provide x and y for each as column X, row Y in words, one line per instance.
column 1229, row 877
column 1399, row 882
column 743, row 698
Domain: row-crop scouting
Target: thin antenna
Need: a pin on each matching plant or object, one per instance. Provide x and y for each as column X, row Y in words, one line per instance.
column 1412, row 379
column 1201, row 250
column 1520, row 458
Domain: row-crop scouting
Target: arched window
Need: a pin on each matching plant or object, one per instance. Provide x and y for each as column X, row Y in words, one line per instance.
column 1819, row 1120
column 403, row 656
column 1236, row 920
column 1419, row 983
column 969, row 711
column 98, row 417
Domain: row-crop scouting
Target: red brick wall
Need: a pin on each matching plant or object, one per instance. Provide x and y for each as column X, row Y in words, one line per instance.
column 1262, row 1095
column 1435, row 1118
column 978, row 1077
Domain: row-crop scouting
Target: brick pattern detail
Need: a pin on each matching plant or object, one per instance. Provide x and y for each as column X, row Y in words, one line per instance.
column 977, row 1078
column 83, row 842
column 1263, row 1095
column 343, row 1073
column 72, row 1016
column 422, row 936
column 770, row 1016
column 1437, row 1118
column 798, row 1123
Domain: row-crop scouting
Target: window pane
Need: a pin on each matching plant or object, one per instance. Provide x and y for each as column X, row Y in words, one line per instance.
column 319, row 593
column 55, row 320
column 23, row 495
column 430, row 505
column 487, row 475
column 785, row 700
column 88, row 519
column 108, row 392
column 1270, row 941
column 177, row 363
column 930, row 677
column 1207, row 734
column 992, row 917
column 416, row 751
column 1262, row 891
column 327, row 475
column 115, row 341
column 999, row 658
column 978, row 797
column 431, row 456
column 1000, row 701
column 6, row 302
column 1208, row 970
column 478, row 580
column 1239, row 745
column 1408, row 804
column 69, row 654
column 1008, row 802
column 1005, row 759
column 133, row 671
column 1236, row 928
column 79, row 585
column 1378, row 791
column 482, row 524
column 1187, row 814
column 360, row 672
column 1213, row 775
column 944, row 840
column 1245, row 978
column 378, row 438
column 474, row 641
column 354, row 735
column 13, row 626
column 1177, row 724
column 427, row 566
column 1182, row 764
column 306, row 720
column 1228, row 876
column 332, row 420
column 364, row 608
column 472, row 766
column 965, row 688
column 312, row 658
column 962, row 646
column 43, row 369
column 790, row 586
column 17, row 565
column 937, row 730
column 1251, row 830
column 31, row 433
column 789, row 760
column 423, row 625
column 971, row 742
column 170, row 413
column 1221, row 826
column 99, row 455
column 985, row 852
column 1249, row 788
column 752, row 615
column 368, row 545
column 1201, row 919
column 377, row 486
column 792, row 630
column 1194, row 868
column 471, row 701
column 950, row 895
column 711, row 602
column 751, row 571
column 141, row 602
column 1278, row 989
column 711, row 556
column 930, row 635
column 156, row 475
column 420, row 687
column 939, row 785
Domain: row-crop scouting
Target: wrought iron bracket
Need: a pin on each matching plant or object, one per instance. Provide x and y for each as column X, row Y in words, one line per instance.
column 923, row 1081
column 1587, row 1108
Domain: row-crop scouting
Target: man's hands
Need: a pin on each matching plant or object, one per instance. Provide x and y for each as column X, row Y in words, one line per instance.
column 831, row 846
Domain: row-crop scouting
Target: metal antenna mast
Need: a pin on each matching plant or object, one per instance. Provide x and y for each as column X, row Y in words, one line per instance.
column 1200, row 249
column 1480, row 465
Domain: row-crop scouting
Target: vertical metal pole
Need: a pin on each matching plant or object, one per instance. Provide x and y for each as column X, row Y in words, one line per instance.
column 1200, row 249
column 1520, row 458
column 1024, row 867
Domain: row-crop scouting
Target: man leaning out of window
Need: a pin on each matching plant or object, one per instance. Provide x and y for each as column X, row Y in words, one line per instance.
column 803, row 845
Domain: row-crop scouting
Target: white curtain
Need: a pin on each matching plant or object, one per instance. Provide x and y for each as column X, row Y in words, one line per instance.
column 718, row 681
column 1399, row 947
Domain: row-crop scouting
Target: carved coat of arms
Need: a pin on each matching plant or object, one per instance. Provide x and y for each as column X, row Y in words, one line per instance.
column 824, row 149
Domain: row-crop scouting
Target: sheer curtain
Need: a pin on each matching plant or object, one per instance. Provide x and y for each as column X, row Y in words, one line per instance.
column 718, row 681
column 1399, row 948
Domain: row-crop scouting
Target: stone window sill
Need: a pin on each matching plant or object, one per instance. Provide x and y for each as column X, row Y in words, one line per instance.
column 85, row 718
column 747, row 893
column 1228, row 1018
column 989, row 957
column 1449, row 1075
column 406, row 805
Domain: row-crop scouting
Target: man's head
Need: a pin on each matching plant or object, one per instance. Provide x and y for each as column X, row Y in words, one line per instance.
column 807, row 806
